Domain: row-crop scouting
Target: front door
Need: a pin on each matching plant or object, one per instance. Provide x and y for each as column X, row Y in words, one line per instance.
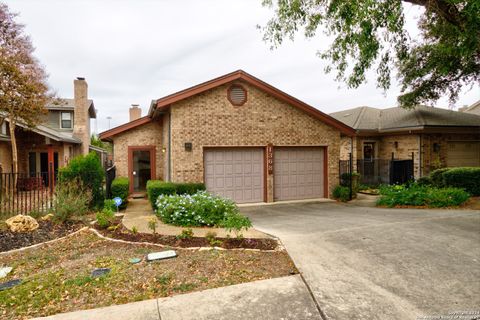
column 141, row 167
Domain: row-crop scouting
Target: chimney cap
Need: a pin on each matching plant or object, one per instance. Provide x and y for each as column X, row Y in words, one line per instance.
column 80, row 78
column 134, row 105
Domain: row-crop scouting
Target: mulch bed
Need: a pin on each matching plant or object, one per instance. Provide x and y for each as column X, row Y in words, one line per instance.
column 120, row 232
column 46, row 231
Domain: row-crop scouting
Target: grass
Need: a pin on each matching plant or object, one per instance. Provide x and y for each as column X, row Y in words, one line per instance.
column 56, row 277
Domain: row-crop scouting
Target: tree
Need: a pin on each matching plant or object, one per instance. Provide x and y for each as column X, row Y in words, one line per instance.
column 371, row 34
column 23, row 88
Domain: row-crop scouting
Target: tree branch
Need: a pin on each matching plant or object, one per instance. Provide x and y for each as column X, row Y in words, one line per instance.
column 446, row 10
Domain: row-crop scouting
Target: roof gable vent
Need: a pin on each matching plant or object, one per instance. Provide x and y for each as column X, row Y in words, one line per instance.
column 237, row 95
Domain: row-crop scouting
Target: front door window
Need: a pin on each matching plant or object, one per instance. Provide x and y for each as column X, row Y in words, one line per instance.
column 141, row 169
column 368, row 151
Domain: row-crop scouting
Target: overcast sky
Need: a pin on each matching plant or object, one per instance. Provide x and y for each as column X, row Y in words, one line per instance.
column 136, row 51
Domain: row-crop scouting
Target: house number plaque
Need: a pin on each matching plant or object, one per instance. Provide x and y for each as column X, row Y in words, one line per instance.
column 270, row 158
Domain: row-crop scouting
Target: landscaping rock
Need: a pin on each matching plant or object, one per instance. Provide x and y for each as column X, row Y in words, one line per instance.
column 5, row 271
column 22, row 223
column 100, row 272
column 10, row 284
column 161, row 255
column 47, row 217
column 135, row 260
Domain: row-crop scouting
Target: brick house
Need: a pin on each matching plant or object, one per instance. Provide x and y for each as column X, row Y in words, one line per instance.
column 242, row 137
column 433, row 137
column 63, row 134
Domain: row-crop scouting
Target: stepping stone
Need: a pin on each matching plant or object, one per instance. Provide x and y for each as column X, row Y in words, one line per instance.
column 10, row 284
column 5, row 271
column 161, row 255
column 135, row 260
column 100, row 272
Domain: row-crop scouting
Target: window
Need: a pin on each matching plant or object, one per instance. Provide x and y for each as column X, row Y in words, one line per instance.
column 3, row 128
column 66, row 120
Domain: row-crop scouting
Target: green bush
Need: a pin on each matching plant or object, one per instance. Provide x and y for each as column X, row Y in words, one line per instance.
column 341, row 193
column 419, row 195
column 200, row 209
column 89, row 171
column 120, row 188
column 105, row 218
column 109, row 204
column 465, row 178
column 436, row 177
column 71, row 199
column 424, row 181
column 158, row 187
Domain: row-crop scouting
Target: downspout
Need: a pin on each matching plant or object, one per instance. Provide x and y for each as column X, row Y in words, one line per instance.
column 169, row 155
column 420, row 155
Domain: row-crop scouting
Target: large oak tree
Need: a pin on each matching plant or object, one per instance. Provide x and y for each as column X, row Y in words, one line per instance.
column 371, row 34
column 23, row 88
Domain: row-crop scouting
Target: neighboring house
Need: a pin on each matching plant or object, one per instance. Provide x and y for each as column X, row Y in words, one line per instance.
column 63, row 134
column 242, row 137
column 433, row 137
column 474, row 108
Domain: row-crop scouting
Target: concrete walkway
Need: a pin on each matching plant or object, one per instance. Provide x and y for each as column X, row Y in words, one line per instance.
column 279, row 298
column 139, row 212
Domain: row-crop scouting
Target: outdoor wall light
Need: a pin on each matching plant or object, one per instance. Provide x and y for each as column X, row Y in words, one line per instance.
column 395, row 144
column 188, row 146
column 164, row 150
column 436, row 147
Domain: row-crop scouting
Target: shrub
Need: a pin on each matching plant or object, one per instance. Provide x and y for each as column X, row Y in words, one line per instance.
column 212, row 239
column 158, row 187
column 465, row 178
column 436, row 177
column 109, row 204
column 120, row 188
column 200, row 209
column 105, row 218
column 71, row 199
column 418, row 195
column 424, row 181
column 134, row 230
column 341, row 193
column 89, row 171
column 185, row 234
column 152, row 224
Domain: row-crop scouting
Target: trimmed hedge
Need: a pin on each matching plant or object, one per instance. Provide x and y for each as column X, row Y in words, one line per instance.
column 120, row 188
column 159, row 187
column 341, row 193
column 465, row 178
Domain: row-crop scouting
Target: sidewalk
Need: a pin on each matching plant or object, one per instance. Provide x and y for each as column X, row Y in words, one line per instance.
column 139, row 212
column 279, row 298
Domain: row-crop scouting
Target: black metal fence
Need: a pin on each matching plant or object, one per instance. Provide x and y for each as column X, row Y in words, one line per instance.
column 24, row 193
column 380, row 171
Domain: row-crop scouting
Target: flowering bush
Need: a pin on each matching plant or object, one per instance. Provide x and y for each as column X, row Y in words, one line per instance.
column 200, row 209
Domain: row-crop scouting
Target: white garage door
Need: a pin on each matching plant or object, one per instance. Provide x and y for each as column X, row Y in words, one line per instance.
column 235, row 173
column 298, row 173
column 463, row 154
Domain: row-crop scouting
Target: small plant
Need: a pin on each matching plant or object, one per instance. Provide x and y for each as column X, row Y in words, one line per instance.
column 109, row 204
column 71, row 199
column 185, row 234
column 152, row 224
column 134, row 230
column 341, row 193
column 120, row 188
column 105, row 218
column 212, row 239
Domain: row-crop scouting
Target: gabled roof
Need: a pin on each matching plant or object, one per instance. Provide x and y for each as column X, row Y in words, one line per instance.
column 106, row 135
column 471, row 108
column 69, row 105
column 165, row 102
column 364, row 119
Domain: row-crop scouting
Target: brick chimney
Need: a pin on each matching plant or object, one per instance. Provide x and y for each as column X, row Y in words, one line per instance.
column 135, row 112
column 81, row 117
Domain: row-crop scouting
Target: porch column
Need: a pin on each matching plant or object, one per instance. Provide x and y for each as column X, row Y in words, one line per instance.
column 51, row 172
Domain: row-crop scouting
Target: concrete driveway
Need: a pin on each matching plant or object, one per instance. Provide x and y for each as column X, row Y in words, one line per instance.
column 371, row 263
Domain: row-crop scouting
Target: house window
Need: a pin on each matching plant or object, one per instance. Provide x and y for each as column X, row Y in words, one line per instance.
column 3, row 128
column 66, row 120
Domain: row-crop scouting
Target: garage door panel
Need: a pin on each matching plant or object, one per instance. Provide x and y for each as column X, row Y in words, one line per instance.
column 298, row 173
column 239, row 169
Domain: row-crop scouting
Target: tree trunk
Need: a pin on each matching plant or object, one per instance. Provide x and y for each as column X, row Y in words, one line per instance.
column 13, row 140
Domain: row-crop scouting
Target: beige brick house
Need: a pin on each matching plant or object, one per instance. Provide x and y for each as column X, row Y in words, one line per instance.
column 432, row 137
column 63, row 134
column 242, row 137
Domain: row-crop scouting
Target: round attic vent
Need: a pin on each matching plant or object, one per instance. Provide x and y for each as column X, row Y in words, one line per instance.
column 237, row 95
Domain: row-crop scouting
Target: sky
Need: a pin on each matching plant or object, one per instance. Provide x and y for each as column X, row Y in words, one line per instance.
column 132, row 52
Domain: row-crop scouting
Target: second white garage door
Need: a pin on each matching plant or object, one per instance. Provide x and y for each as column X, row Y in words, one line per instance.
column 298, row 173
column 235, row 173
